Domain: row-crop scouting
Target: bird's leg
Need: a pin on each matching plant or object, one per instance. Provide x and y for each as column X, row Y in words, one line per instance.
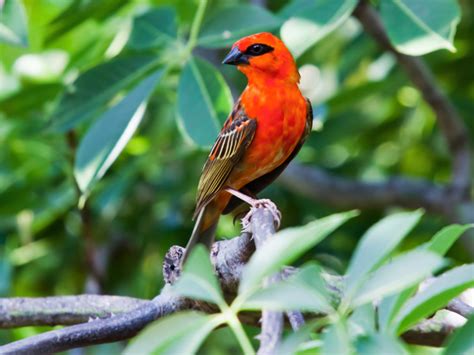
column 255, row 203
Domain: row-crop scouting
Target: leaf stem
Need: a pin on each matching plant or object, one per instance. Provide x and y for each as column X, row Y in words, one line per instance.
column 239, row 332
column 196, row 26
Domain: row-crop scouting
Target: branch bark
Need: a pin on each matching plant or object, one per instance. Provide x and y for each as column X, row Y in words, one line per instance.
column 121, row 318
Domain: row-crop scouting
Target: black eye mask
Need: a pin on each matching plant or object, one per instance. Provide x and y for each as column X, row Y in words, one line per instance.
column 258, row 49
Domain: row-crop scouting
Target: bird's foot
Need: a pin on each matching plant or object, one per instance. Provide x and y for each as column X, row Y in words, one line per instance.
column 262, row 203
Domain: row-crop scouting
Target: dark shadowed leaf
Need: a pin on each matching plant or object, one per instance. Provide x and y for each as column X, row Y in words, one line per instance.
column 286, row 246
column 204, row 101
column 376, row 244
column 231, row 23
column 404, row 271
column 155, row 28
column 309, row 21
column 107, row 137
column 443, row 289
column 97, row 86
column 13, row 23
column 462, row 342
column 198, row 280
column 376, row 344
column 417, row 27
column 439, row 244
column 180, row 333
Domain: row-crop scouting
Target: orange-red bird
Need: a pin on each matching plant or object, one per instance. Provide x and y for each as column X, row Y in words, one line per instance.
column 267, row 127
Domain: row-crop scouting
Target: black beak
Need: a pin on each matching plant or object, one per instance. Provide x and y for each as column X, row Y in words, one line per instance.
column 236, row 57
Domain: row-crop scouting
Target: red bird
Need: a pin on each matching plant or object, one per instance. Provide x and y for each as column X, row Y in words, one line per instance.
column 267, row 127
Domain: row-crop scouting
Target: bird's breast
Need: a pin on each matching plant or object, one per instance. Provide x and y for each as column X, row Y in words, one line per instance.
column 281, row 119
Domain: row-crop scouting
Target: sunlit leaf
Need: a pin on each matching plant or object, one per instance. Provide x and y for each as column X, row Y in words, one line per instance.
column 13, row 23
column 153, row 29
column 286, row 246
column 443, row 289
column 404, row 271
column 439, row 244
column 336, row 340
column 180, row 333
column 462, row 341
column 376, row 244
column 97, row 86
column 108, row 136
column 297, row 293
column 198, row 280
column 417, row 27
column 376, row 344
column 231, row 23
column 204, row 101
column 308, row 21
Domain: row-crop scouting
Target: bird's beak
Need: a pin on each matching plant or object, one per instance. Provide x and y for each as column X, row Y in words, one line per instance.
column 236, row 57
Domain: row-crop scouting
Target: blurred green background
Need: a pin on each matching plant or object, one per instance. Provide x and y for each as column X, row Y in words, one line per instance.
column 370, row 124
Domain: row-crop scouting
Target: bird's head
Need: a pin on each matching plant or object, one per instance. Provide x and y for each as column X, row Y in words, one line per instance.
column 263, row 56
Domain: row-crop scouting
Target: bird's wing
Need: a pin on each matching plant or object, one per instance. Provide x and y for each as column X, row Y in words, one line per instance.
column 254, row 187
column 230, row 145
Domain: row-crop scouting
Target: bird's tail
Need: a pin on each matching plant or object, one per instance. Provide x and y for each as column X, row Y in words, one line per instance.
column 204, row 230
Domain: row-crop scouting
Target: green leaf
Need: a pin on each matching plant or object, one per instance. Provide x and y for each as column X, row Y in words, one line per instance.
column 417, row 27
column 180, row 333
column 204, row 101
column 462, row 341
column 13, row 23
column 107, row 137
column 198, row 280
column 362, row 320
column 286, row 246
column 439, row 244
column 97, row 86
column 231, row 23
column 415, row 266
column 154, row 28
column 304, row 291
column 309, row 21
column 376, row 344
column 336, row 340
column 376, row 244
column 435, row 296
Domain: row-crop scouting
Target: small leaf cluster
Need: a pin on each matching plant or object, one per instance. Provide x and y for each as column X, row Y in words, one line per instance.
column 378, row 298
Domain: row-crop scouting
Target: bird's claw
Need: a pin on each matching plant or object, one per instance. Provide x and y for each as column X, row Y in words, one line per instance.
column 262, row 203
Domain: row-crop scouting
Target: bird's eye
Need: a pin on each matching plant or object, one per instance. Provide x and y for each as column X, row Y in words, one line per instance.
column 258, row 49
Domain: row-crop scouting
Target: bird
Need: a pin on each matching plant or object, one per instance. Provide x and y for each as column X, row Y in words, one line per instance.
column 265, row 130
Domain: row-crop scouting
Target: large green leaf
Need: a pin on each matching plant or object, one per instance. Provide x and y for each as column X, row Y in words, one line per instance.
column 439, row 244
column 286, row 246
column 231, row 23
column 336, row 340
column 180, row 333
column 404, row 271
column 376, row 244
column 435, row 296
column 110, row 133
column 376, row 344
column 462, row 342
column 198, row 280
column 13, row 23
column 417, row 27
column 308, row 21
column 204, row 101
column 97, row 86
column 154, row 28
column 303, row 291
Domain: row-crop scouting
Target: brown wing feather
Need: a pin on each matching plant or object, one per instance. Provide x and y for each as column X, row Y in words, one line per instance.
column 227, row 151
column 259, row 184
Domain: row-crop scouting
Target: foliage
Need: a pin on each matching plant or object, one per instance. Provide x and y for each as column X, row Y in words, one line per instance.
column 111, row 106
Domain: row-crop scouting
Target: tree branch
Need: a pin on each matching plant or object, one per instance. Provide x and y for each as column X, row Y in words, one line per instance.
column 121, row 318
column 451, row 124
